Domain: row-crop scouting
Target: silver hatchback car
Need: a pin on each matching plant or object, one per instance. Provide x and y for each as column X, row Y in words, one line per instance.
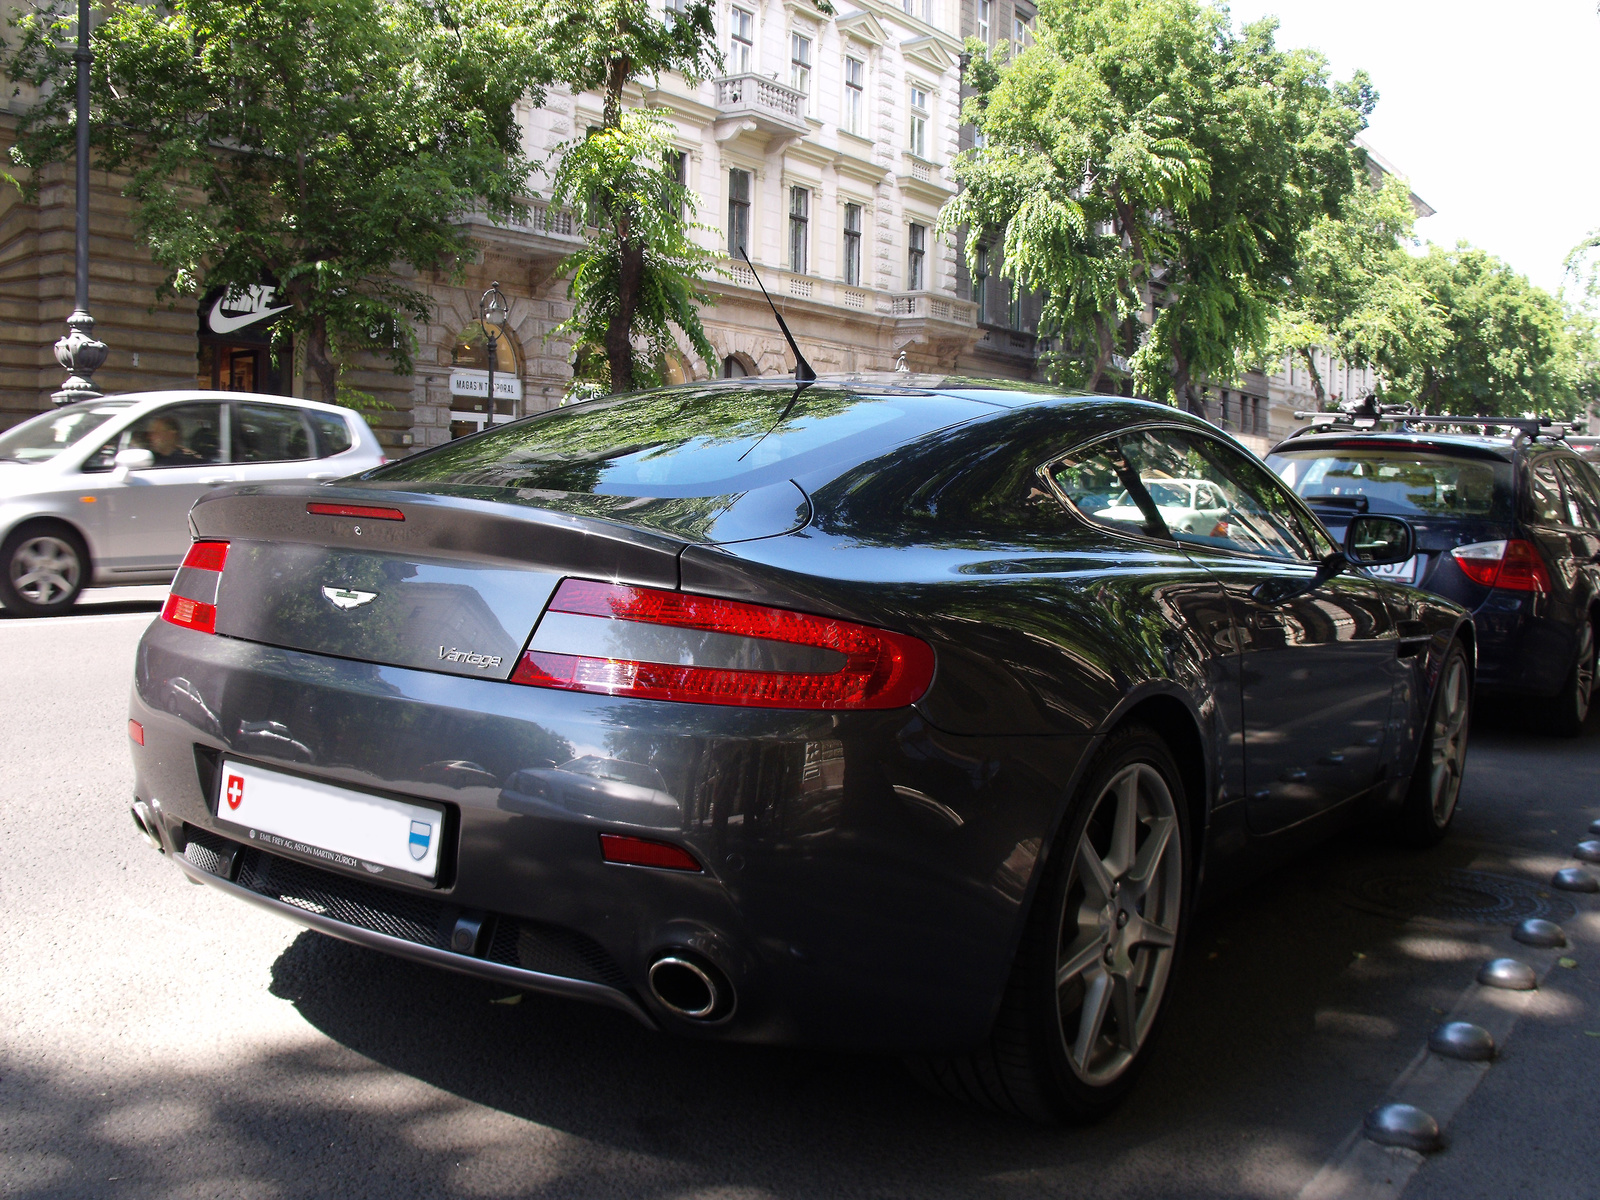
column 99, row 492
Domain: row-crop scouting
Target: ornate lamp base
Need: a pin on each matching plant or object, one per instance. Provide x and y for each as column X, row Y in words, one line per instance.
column 81, row 355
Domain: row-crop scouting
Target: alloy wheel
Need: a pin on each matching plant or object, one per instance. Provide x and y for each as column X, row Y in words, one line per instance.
column 44, row 569
column 1449, row 740
column 1119, row 924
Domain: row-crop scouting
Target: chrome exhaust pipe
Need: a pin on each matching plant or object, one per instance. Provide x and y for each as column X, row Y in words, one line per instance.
column 146, row 821
column 689, row 988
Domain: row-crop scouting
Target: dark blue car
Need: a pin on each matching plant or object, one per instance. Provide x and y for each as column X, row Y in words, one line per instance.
column 1507, row 520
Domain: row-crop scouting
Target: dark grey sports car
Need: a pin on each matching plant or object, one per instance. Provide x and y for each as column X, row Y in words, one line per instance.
column 903, row 713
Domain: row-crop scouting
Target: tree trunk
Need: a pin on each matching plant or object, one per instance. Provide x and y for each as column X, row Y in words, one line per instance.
column 320, row 362
column 1308, row 354
column 1182, row 384
column 1102, row 352
column 619, row 333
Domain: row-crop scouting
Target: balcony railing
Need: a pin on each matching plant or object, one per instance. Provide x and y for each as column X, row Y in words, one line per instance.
column 764, row 99
column 932, row 306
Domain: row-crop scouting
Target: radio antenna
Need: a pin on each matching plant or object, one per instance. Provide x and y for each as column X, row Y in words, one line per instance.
column 802, row 369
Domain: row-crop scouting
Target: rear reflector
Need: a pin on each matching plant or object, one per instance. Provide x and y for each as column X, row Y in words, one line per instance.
column 1514, row 565
column 638, row 852
column 191, row 614
column 363, row 511
column 136, row 731
column 755, row 656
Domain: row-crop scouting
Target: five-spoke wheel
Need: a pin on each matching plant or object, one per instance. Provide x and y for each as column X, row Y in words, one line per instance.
column 42, row 571
column 1430, row 803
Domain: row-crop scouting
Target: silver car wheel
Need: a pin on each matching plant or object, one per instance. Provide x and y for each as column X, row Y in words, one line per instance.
column 1119, row 924
column 1449, row 740
column 44, row 569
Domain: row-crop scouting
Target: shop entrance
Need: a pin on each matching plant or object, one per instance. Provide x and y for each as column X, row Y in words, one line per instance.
column 235, row 353
column 469, row 380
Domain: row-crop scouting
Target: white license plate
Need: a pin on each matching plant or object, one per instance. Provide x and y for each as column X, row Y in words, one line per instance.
column 332, row 824
column 1405, row 572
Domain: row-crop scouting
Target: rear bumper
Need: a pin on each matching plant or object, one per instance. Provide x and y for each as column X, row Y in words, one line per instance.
column 1522, row 650
column 866, row 876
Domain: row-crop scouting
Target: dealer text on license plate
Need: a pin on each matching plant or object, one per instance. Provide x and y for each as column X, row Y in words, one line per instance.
column 309, row 819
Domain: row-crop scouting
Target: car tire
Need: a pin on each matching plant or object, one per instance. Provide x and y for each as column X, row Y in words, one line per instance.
column 1570, row 708
column 1430, row 802
column 43, row 569
column 1088, row 988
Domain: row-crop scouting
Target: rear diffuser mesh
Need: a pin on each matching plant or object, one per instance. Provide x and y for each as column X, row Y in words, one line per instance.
column 553, row 950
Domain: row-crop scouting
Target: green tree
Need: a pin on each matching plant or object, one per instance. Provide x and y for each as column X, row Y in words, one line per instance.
column 1506, row 347
column 332, row 144
column 1356, row 292
column 1142, row 157
column 638, row 275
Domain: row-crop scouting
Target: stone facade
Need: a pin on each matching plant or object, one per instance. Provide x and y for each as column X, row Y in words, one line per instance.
column 785, row 117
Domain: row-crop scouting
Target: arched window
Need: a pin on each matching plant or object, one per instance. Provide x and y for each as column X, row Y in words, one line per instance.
column 674, row 369
column 471, row 349
column 733, row 367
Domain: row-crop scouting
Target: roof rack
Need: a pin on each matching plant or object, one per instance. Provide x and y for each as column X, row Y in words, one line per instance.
column 1367, row 413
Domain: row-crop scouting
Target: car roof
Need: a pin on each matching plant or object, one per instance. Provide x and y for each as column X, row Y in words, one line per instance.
column 152, row 399
column 1476, row 445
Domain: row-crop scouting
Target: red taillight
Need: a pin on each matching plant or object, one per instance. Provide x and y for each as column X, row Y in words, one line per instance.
column 193, row 602
column 873, row 668
column 365, row 512
column 191, row 614
column 207, row 556
column 640, row 852
column 136, row 731
column 1514, row 565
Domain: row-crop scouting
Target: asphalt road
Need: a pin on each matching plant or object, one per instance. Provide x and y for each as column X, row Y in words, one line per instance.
column 162, row 1040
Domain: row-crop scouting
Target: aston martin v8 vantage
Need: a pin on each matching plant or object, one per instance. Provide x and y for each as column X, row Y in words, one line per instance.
column 885, row 713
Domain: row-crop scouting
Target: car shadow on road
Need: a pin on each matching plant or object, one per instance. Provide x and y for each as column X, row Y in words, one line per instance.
column 1284, row 983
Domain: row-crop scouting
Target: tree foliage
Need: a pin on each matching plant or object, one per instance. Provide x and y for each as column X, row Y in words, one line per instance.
column 637, row 276
column 332, row 144
column 1506, row 346
column 1141, row 157
column 1356, row 292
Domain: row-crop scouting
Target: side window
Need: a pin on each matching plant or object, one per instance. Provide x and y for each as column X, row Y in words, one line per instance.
column 1545, row 502
column 269, row 433
column 1104, row 487
column 333, row 433
column 1250, row 510
column 1583, row 502
column 182, row 435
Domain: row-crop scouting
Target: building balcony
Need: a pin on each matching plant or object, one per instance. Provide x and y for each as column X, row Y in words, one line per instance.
column 547, row 233
column 773, row 107
column 933, row 307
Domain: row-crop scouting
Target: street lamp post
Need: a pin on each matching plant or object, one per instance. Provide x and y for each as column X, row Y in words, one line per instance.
column 494, row 310
column 79, row 352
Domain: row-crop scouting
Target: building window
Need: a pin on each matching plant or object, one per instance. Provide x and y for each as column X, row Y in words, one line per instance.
column 985, row 20
column 799, row 228
column 852, row 244
column 674, row 10
column 741, row 40
column 678, row 170
column 855, row 92
column 919, row 122
column 918, row 8
column 916, row 251
column 800, row 68
column 738, row 211
column 980, row 283
column 1021, row 31
column 1014, row 313
column 733, row 368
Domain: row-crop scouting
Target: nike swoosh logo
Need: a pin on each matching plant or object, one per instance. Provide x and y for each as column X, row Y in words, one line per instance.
column 221, row 323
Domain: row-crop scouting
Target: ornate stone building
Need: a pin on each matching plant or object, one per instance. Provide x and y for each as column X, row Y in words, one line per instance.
column 824, row 151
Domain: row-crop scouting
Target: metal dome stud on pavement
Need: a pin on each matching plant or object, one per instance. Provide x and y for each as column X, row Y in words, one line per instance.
column 1574, row 879
column 1587, row 852
column 1508, row 973
column 1536, row 931
column 1463, row 1040
column 1402, row 1125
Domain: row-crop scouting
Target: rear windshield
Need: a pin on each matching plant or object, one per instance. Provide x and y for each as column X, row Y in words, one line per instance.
column 48, row 434
column 1401, row 482
column 691, row 441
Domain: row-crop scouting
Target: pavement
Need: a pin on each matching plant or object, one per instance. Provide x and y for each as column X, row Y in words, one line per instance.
column 163, row 1040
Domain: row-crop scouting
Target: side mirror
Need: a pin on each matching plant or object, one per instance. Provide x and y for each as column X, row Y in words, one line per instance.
column 1374, row 541
column 134, row 458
